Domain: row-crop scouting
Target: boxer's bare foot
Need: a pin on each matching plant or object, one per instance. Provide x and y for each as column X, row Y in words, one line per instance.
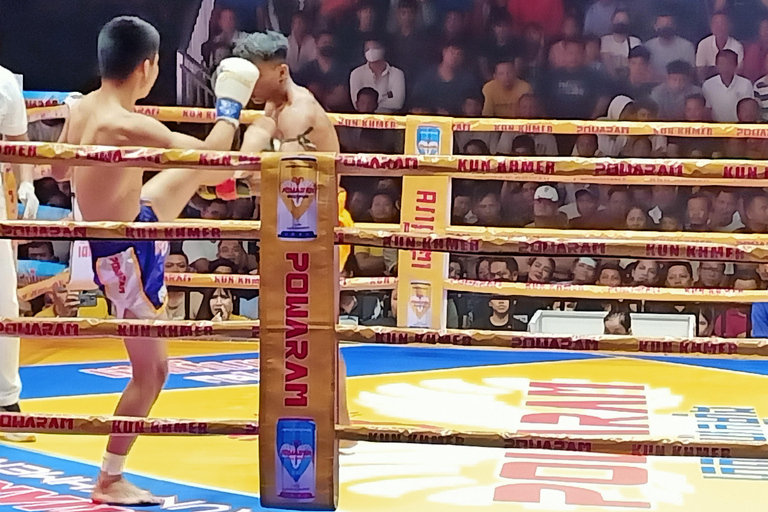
column 116, row 490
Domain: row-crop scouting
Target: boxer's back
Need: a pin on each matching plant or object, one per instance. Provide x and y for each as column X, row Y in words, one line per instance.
column 103, row 194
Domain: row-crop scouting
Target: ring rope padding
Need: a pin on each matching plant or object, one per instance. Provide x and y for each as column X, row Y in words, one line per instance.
column 387, row 122
column 247, row 331
column 664, row 171
column 626, row 445
column 735, row 247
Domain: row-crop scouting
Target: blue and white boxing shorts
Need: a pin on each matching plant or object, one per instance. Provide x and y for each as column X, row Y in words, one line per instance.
column 131, row 273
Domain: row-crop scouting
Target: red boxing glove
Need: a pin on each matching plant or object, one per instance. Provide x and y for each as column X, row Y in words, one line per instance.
column 227, row 190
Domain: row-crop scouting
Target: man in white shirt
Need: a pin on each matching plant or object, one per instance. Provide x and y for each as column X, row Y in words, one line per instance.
column 711, row 46
column 668, row 47
column 13, row 127
column 724, row 90
column 377, row 74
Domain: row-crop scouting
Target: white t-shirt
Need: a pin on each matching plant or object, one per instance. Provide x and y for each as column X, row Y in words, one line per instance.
column 723, row 100
column 390, row 86
column 13, row 111
column 707, row 51
column 609, row 45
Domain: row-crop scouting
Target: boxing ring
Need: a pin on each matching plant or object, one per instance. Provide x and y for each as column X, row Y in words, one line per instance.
column 534, row 422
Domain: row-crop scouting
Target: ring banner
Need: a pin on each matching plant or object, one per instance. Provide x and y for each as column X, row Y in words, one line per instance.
column 249, row 331
column 575, row 291
column 180, row 230
column 624, row 445
column 576, row 243
column 299, row 459
column 724, row 348
column 116, row 425
column 112, row 328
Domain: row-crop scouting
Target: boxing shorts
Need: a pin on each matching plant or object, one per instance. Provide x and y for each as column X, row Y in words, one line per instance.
column 131, row 273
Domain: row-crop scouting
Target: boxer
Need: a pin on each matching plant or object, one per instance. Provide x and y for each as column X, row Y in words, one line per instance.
column 131, row 272
column 297, row 123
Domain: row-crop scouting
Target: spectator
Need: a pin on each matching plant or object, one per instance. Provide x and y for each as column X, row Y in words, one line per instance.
column 668, row 47
column 599, row 18
column 383, row 208
column 224, row 37
column 725, row 213
column 711, row 275
column 639, row 80
column 359, row 308
column 454, row 30
column 609, row 275
column 215, row 209
column 456, row 269
column 326, row 72
column 41, row 251
column 475, row 147
column 643, row 273
column 575, row 91
column 671, row 95
column 694, row 147
column 503, row 93
column 545, row 205
column 587, row 207
column 615, row 47
column 621, row 108
column 761, row 93
column 755, row 213
column 369, row 140
column 182, row 305
column 377, row 74
column 500, row 316
column 501, row 46
column 301, row 45
column 705, row 320
column 637, row 219
column 541, row 271
column 473, row 107
column 679, row 275
column 231, row 251
column 483, row 269
column 487, row 207
column 724, row 90
column 586, row 145
column 755, row 54
column 524, row 145
column 218, row 305
column 592, row 56
column 735, row 321
column 748, row 111
column 663, row 198
column 366, row 28
column 503, row 270
column 461, row 213
column 618, row 322
column 445, row 88
column 618, row 207
column 548, row 14
column 529, row 107
column 698, row 212
column 407, row 37
column 571, row 30
column 66, row 304
column 584, row 271
column 711, row 46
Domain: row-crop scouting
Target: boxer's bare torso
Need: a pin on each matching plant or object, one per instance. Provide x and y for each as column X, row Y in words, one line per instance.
column 301, row 124
column 103, row 193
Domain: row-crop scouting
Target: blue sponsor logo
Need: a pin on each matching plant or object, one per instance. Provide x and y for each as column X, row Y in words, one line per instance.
column 428, row 140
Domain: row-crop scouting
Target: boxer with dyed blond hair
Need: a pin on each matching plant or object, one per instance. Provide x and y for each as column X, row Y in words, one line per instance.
column 131, row 272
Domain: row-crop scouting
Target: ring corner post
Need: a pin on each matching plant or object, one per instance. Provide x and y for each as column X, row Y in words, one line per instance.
column 298, row 451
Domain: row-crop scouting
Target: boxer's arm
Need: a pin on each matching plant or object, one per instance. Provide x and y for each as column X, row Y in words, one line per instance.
column 141, row 130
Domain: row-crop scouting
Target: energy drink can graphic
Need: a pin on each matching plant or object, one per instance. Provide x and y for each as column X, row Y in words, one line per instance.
column 420, row 304
column 428, row 140
column 297, row 204
column 296, row 442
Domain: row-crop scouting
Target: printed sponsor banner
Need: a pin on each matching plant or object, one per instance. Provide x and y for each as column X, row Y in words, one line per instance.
column 299, row 303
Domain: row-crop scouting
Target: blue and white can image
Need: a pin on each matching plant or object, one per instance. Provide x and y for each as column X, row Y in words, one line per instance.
column 428, row 140
column 296, row 462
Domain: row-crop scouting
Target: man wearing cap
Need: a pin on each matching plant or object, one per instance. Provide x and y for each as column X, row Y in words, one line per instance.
column 587, row 206
column 546, row 201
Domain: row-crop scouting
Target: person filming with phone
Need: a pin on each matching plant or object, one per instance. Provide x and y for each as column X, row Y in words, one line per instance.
column 62, row 303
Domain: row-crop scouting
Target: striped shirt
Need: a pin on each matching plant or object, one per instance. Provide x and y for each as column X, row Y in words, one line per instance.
column 761, row 94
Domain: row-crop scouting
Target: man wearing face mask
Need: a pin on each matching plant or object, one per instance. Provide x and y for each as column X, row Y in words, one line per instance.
column 615, row 47
column 668, row 47
column 377, row 74
column 326, row 72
